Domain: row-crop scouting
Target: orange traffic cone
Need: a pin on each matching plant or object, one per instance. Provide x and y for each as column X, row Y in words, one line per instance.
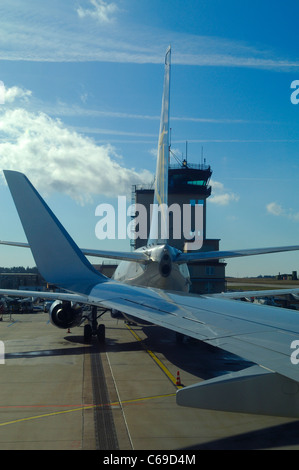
column 68, row 330
column 178, row 379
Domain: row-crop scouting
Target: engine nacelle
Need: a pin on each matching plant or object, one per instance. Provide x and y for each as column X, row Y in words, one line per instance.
column 165, row 265
column 65, row 314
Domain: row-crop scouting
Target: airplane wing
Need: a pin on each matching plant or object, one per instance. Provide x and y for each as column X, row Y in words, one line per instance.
column 76, row 298
column 195, row 257
column 260, row 334
column 255, row 293
column 136, row 256
column 269, row 337
column 143, row 257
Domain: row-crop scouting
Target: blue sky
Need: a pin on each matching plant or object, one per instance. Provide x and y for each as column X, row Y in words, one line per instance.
column 83, row 84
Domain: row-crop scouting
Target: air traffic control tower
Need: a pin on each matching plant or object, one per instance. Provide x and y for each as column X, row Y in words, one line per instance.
column 188, row 184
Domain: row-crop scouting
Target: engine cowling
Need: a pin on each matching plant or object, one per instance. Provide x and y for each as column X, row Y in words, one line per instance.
column 165, row 264
column 65, row 314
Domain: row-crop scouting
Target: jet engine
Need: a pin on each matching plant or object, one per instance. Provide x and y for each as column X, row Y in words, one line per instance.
column 65, row 314
column 165, row 264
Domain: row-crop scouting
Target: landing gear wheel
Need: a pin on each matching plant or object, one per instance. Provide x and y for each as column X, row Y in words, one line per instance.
column 101, row 333
column 87, row 333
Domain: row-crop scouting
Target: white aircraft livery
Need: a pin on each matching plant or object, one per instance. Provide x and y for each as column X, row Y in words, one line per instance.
column 264, row 335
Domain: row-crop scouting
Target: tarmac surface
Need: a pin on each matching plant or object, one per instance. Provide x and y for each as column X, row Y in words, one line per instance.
column 59, row 393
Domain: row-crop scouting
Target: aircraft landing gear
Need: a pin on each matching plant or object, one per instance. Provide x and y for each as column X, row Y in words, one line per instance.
column 93, row 329
column 87, row 333
column 101, row 333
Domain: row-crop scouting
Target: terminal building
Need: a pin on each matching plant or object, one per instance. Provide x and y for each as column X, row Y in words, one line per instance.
column 24, row 281
column 188, row 184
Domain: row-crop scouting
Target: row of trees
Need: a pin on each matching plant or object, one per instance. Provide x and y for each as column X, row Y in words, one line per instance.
column 19, row 269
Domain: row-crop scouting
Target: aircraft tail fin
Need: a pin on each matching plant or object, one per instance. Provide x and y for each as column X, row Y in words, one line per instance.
column 159, row 224
column 58, row 258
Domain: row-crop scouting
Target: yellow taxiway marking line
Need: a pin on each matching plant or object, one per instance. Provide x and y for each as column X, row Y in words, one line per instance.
column 46, row 415
column 156, row 359
column 85, row 407
column 133, row 400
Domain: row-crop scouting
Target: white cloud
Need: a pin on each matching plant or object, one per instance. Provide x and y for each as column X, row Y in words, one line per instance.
column 274, row 208
column 60, row 33
column 223, row 199
column 220, row 195
column 14, row 93
column 58, row 159
column 277, row 210
column 102, row 11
